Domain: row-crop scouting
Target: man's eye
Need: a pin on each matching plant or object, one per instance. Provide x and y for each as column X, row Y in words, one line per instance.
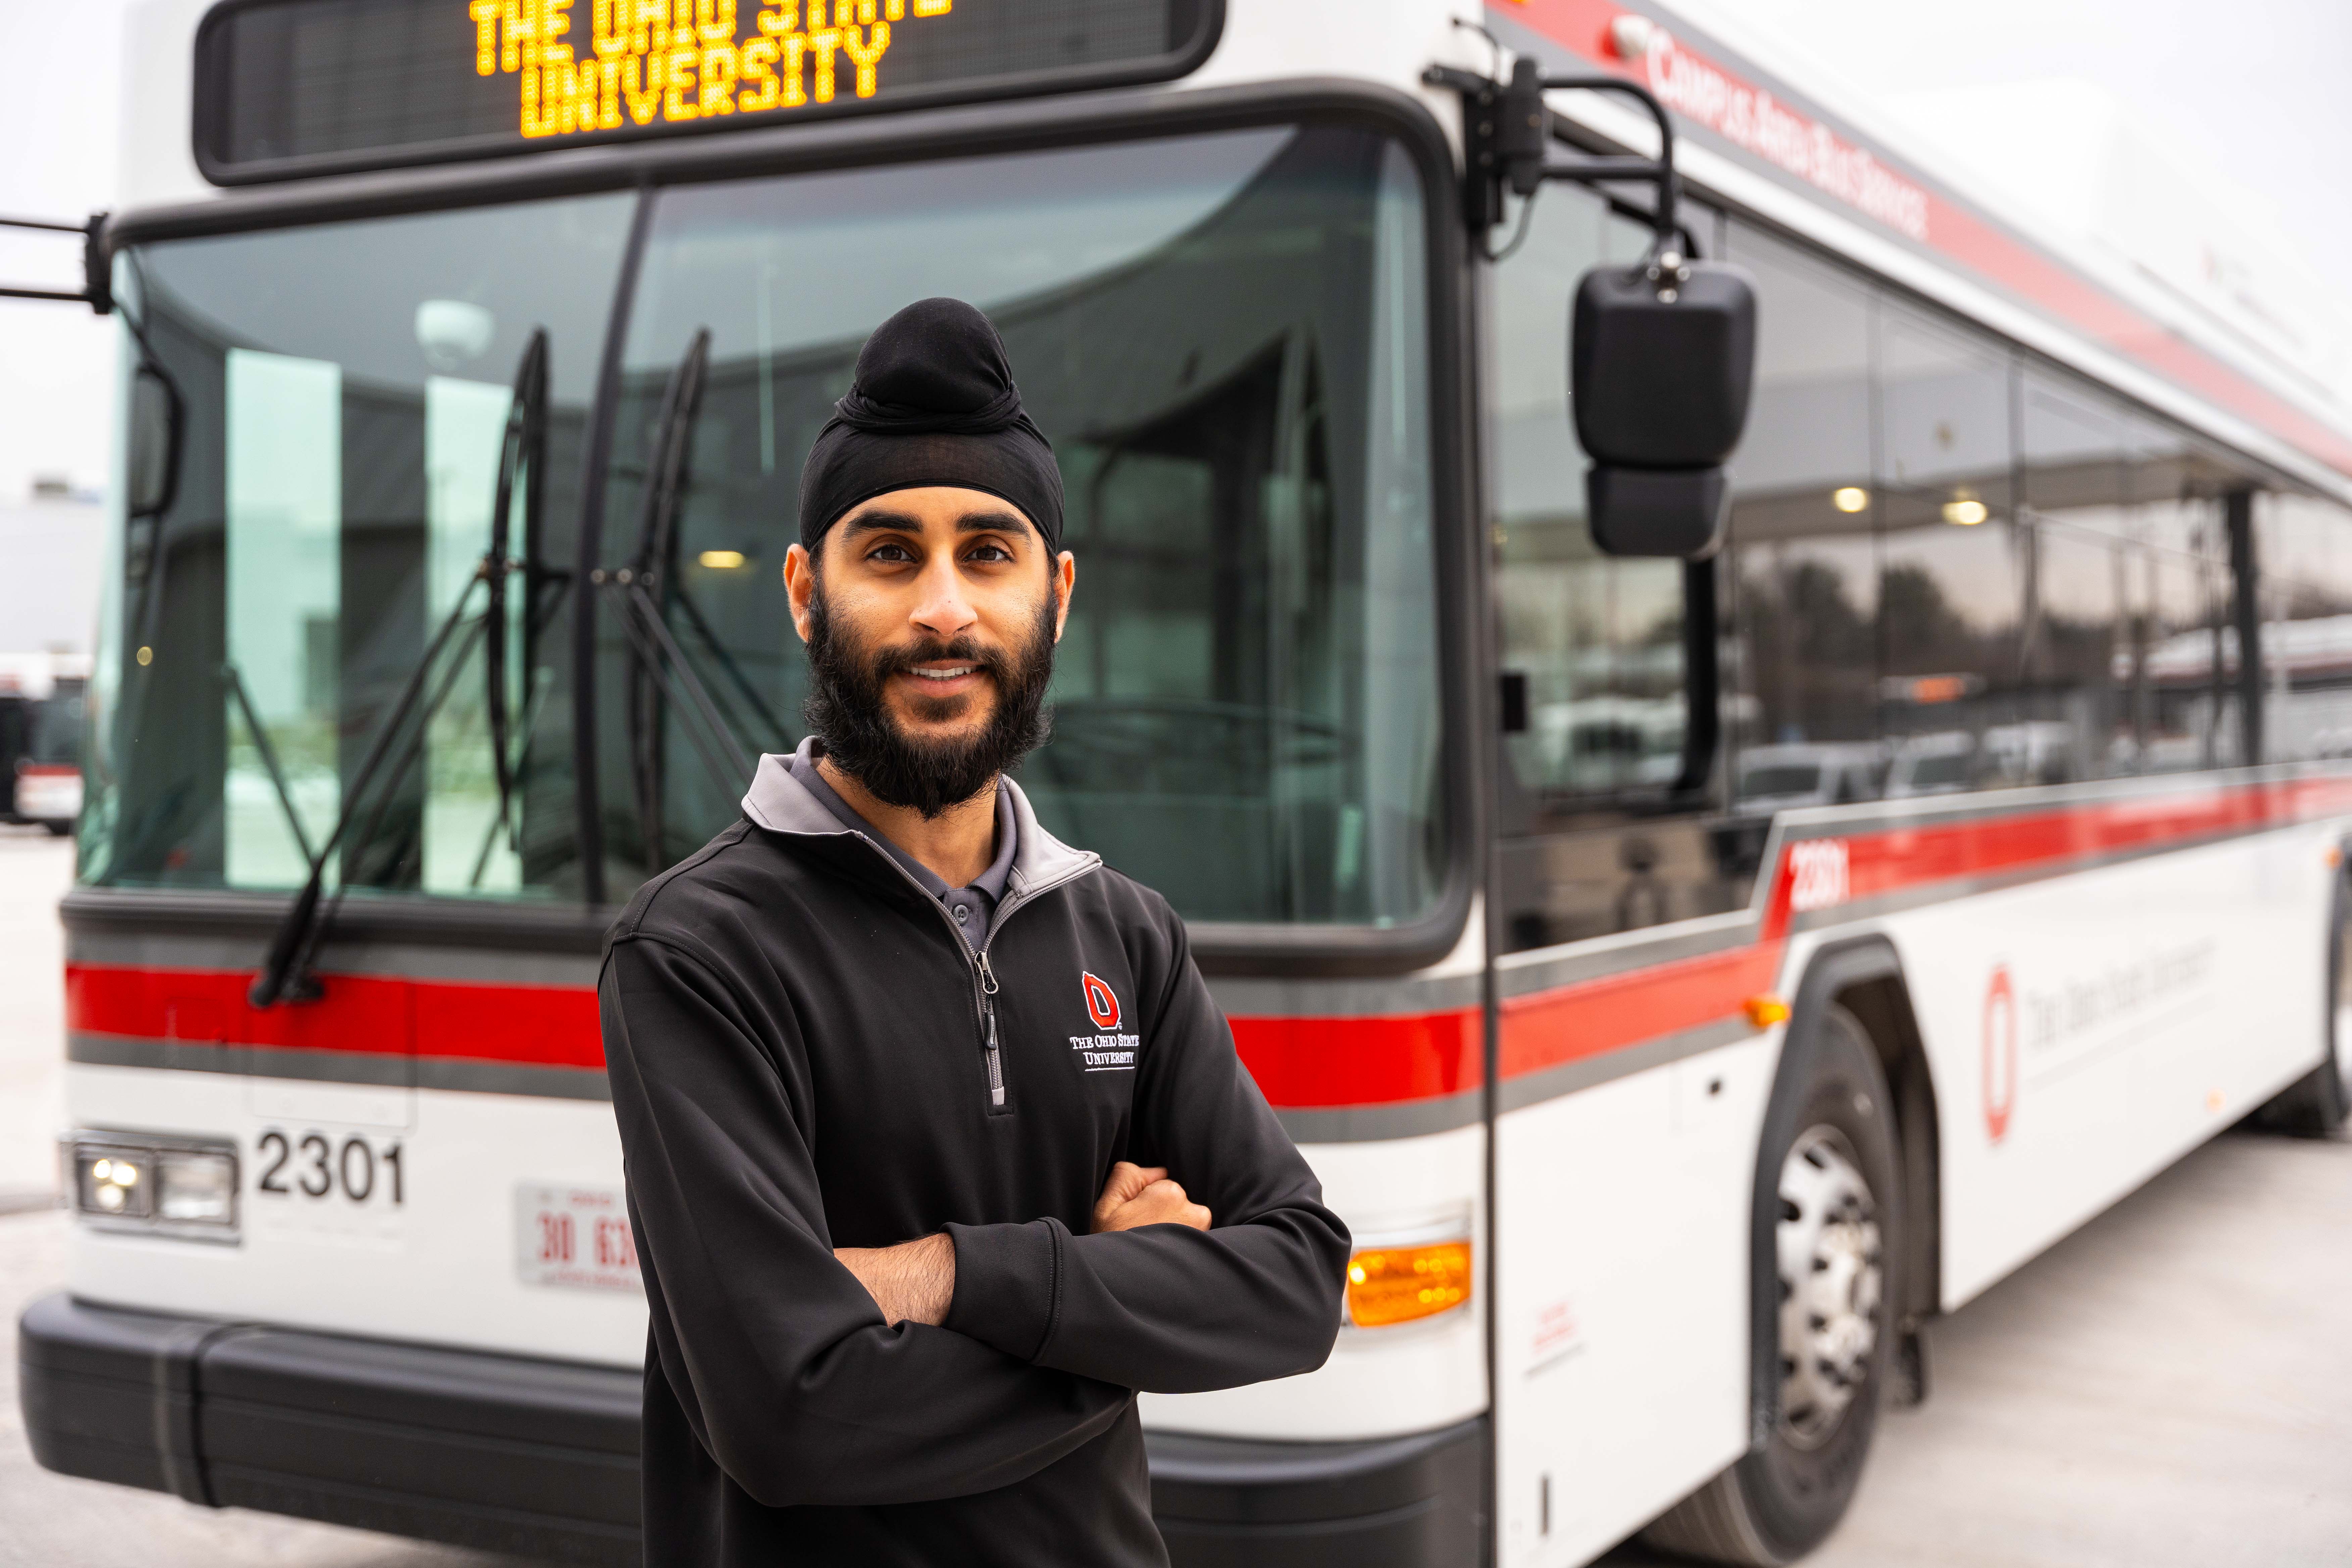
column 991, row 553
column 890, row 553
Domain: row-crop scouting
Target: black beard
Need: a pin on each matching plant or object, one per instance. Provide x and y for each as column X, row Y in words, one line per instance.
column 847, row 711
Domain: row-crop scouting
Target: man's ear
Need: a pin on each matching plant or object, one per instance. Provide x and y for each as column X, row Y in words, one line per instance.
column 1066, row 581
column 800, row 585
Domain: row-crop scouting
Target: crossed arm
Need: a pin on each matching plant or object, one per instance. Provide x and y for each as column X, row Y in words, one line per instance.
column 915, row 1280
column 969, row 1359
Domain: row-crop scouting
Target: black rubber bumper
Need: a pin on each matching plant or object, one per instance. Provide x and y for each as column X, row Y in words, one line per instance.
column 1399, row 1503
column 539, row 1457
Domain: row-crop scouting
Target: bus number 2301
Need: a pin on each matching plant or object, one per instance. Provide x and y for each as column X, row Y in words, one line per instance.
column 317, row 1166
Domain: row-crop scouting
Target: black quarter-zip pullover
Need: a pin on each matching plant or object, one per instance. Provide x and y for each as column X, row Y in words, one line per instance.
column 806, row 1055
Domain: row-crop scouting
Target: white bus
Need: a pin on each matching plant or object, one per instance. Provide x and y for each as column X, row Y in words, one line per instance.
column 470, row 354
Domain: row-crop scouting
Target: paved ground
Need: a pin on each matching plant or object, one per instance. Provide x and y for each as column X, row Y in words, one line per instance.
column 2169, row 1388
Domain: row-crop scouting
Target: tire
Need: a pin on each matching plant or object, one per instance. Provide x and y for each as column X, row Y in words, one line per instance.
column 2314, row 1105
column 58, row 829
column 1834, row 1232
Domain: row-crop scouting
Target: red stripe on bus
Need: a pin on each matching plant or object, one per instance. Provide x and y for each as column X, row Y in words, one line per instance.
column 1551, row 1028
column 1297, row 1062
column 1894, row 860
column 539, row 1026
column 1317, row 1064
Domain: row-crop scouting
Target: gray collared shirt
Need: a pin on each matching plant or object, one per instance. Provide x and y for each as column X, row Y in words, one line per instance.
column 974, row 907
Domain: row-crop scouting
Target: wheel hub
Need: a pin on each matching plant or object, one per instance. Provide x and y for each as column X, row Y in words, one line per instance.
column 1832, row 1277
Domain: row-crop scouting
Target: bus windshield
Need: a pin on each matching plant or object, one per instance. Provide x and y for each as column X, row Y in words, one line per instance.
column 1225, row 336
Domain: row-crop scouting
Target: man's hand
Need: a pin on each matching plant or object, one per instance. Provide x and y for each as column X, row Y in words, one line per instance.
column 1140, row 1194
column 912, row 1282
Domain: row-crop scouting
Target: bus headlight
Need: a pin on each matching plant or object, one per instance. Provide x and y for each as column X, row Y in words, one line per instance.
column 168, row 1187
column 117, row 1183
column 1388, row 1284
column 195, row 1188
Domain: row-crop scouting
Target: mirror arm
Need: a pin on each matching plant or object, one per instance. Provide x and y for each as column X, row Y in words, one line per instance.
column 95, row 292
column 1507, row 138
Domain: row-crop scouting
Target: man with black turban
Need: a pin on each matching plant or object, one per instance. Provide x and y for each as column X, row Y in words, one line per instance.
column 938, row 1147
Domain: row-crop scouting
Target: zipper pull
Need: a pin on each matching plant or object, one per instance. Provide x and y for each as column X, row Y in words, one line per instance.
column 995, row 1058
column 987, row 976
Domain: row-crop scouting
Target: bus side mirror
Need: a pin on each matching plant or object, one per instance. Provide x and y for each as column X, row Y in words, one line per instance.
column 157, row 422
column 1662, row 357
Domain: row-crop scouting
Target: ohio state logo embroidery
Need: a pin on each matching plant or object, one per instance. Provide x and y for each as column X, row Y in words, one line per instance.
column 1110, row 1050
column 1102, row 1007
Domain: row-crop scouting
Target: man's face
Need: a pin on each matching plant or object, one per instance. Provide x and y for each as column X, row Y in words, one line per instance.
column 931, row 628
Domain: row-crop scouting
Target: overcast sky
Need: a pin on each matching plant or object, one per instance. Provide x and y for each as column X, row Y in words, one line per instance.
column 2258, row 87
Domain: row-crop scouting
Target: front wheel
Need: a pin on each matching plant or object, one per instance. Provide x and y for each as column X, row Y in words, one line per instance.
column 2315, row 1104
column 1833, row 1235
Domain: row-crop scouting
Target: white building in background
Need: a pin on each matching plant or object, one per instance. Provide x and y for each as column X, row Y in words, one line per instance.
column 51, row 548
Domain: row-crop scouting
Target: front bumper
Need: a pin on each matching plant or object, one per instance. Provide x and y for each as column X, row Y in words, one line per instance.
column 540, row 1459
column 500, row 1453
column 1398, row 1502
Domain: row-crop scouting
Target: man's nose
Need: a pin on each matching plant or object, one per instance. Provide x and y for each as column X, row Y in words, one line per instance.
column 942, row 607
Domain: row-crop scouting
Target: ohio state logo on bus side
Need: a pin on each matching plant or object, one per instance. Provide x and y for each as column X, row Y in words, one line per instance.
column 2000, row 1052
column 1108, row 1052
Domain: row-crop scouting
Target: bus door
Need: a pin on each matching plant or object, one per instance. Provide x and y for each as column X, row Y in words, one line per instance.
column 1621, row 890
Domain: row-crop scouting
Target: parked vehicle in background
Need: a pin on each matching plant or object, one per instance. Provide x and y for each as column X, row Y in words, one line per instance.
column 1936, row 765
column 40, row 738
column 1773, row 779
column 1668, row 1075
column 2037, row 752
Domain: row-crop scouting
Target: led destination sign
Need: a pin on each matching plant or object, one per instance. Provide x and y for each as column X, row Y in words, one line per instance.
column 287, row 88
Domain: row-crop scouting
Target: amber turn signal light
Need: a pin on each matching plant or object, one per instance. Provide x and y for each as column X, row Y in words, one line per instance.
column 1398, row 1284
column 1765, row 1010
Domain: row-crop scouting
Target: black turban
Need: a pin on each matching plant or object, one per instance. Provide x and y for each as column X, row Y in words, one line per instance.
column 933, row 403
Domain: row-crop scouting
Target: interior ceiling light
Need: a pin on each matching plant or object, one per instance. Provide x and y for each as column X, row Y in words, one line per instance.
column 1965, row 513
column 1850, row 498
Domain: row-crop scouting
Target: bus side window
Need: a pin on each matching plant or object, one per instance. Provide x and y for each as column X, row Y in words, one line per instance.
column 1597, row 837
column 2128, row 593
column 1800, row 577
column 1905, row 607
column 1952, row 569
column 2306, row 554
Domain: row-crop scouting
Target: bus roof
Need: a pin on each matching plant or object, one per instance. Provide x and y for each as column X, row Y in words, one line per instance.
column 1786, row 138
column 1764, row 129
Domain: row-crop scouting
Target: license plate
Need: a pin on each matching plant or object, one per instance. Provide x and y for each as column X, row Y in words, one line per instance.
column 574, row 1239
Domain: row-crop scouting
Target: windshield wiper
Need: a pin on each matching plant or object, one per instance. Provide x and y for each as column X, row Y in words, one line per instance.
column 660, row 670
column 285, row 974
column 522, row 454
column 520, row 451
column 236, row 684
